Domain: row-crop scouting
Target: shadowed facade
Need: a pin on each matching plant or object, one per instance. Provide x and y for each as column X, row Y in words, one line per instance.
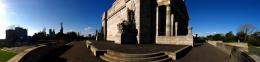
column 147, row 21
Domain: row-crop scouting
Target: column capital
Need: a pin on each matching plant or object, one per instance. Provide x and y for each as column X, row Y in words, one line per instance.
column 163, row 2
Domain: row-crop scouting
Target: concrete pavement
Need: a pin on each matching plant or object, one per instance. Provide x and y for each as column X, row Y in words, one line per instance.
column 205, row 53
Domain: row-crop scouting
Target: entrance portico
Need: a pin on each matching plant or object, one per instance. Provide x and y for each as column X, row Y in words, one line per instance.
column 169, row 23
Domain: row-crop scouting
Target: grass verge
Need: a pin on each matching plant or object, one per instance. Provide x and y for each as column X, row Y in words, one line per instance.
column 5, row 56
column 254, row 50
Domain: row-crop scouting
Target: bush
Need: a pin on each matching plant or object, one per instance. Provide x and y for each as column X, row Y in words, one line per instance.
column 1, row 45
column 254, row 41
column 216, row 37
column 230, row 37
column 199, row 40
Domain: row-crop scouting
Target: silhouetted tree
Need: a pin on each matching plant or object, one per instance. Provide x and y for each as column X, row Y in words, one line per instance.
column 71, row 36
column 197, row 39
column 244, row 30
column 91, row 37
column 241, row 36
column 217, row 37
column 230, row 37
column 254, row 39
column 40, row 36
column 256, row 34
column 2, row 43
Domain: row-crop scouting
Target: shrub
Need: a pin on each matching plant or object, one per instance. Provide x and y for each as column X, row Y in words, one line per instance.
column 253, row 41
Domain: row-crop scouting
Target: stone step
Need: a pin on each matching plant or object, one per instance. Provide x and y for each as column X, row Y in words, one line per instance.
column 126, row 55
column 114, row 56
column 109, row 59
column 138, row 59
column 105, row 58
column 168, row 59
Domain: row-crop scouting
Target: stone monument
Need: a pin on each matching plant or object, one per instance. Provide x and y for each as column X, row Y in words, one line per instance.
column 147, row 22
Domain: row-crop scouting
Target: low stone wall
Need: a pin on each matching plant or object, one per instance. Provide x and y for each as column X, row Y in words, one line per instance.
column 97, row 52
column 214, row 43
column 242, row 46
column 237, row 54
column 19, row 56
column 179, row 53
column 177, row 40
column 227, row 47
column 36, row 53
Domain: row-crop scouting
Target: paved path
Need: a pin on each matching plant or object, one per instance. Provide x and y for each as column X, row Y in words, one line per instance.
column 79, row 53
column 205, row 53
column 134, row 48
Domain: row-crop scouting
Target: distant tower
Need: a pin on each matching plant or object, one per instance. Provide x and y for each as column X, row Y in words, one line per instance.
column 61, row 29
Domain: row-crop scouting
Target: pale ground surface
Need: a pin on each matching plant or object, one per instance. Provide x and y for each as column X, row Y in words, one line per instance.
column 79, row 53
column 17, row 49
column 255, row 57
column 205, row 53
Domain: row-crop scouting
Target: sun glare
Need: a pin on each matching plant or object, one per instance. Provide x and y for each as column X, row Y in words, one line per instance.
column 2, row 8
column 2, row 19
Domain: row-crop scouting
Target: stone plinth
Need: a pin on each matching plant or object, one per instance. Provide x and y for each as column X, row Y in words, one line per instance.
column 177, row 40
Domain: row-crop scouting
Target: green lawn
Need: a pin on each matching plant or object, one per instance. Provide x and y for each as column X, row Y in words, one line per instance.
column 254, row 50
column 4, row 56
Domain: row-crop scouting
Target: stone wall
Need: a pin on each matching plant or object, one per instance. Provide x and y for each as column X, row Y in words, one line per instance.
column 214, row 43
column 177, row 40
column 112, row 28
column 145, row 20
column 227, row 47
column 118, row 13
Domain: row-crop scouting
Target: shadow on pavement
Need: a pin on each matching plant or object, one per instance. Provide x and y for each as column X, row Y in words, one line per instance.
column 54, row 54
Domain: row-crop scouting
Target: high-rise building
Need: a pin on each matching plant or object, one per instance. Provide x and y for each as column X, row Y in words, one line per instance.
column 61, row 27
column 18, row 34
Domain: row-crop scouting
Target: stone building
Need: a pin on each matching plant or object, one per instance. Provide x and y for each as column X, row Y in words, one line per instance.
column 147, row 21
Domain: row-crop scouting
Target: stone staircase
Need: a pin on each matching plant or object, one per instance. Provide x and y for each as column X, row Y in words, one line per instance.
column 114, row 56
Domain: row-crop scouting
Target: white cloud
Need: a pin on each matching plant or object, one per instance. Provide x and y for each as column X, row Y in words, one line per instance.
column 88, row 30
column 206, row 33
column 212, row 33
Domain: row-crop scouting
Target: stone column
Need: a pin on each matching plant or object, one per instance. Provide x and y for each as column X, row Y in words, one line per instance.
column 176, row 28
column 172, row 24
column 168, row 21
column 157, row 21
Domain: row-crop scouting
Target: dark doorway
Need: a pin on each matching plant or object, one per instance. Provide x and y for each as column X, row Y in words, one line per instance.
column 162, row 20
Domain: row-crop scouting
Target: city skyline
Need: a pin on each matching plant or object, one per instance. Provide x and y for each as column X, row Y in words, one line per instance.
column 84, row 16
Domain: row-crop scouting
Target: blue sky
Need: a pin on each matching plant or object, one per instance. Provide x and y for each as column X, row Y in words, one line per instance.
column 222, row 16
column 84, row 16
